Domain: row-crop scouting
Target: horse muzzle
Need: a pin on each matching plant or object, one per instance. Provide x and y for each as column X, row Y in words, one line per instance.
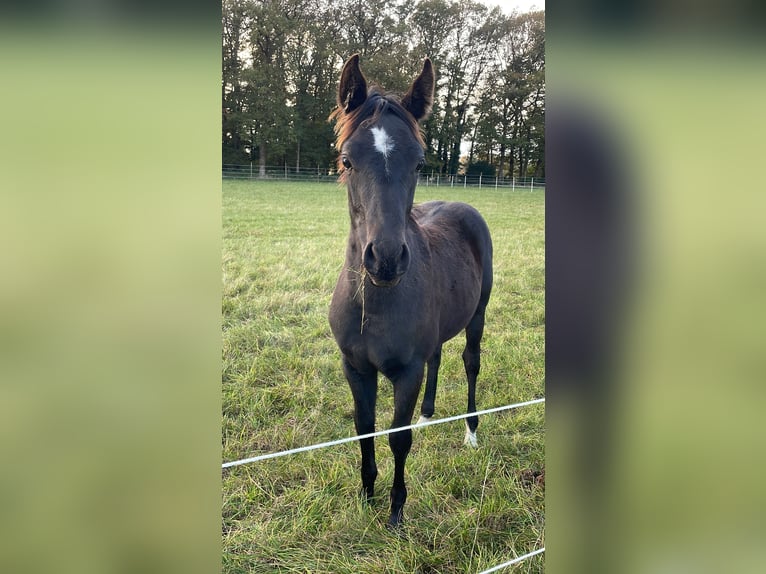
column 386, row 262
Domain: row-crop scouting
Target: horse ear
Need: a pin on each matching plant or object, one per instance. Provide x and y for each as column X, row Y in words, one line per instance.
column 352, row 90
column 420, row 96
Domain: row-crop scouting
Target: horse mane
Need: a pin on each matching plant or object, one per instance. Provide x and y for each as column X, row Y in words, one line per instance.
column 376, row 104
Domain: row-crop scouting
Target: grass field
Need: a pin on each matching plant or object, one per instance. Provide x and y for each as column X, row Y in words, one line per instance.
column 467, row 510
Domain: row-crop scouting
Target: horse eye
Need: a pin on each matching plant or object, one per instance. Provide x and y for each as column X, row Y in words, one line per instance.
column 346, row 162
column 420, row 165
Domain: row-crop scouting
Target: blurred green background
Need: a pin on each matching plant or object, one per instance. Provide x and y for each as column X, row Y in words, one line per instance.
column 681, row 87
column 109, row 295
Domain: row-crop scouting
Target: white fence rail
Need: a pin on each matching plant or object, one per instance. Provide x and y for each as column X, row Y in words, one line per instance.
column 253, row 171
column 514, row 561
column 379, row 433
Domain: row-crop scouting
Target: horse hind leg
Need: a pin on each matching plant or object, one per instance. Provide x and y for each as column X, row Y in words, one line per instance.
column 472, row 363
column 427, row 407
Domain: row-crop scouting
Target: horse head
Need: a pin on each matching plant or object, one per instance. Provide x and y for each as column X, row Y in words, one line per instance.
column 381, row 152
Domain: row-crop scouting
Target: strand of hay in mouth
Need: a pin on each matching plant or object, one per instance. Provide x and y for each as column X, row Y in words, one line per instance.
column 360, row 290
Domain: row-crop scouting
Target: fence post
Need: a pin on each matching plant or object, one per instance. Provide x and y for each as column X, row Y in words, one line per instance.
column 532, row 184
column 513, row 183
column 480, row 180
column 251, row 170
column 452, row 181
column 465, row 181
column 495, row 182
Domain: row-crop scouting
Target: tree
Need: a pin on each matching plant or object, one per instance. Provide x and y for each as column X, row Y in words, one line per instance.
column 521, row 90
column 266, row 79
column 472, row 47
column 511, row 114
column 235, row 26
column 432, row 23
column 483, row 168
column 311, row 74
column 281, row 60
column 379, row 31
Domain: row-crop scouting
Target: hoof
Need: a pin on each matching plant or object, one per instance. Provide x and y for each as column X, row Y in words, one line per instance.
column 367, row 496
column 423, row 419
column 395, row 526
column 470, row 438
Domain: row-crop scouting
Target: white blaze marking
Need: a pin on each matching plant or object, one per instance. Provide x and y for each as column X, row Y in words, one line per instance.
column 383, row 143
column 470, row 437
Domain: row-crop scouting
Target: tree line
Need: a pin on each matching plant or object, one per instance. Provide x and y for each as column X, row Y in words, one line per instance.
column 282, row 58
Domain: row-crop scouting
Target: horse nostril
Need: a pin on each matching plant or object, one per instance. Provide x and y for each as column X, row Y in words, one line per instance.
column 369, row 256
column 404, row 261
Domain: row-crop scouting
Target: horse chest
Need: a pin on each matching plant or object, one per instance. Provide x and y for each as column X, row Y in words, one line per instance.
column 383, row 335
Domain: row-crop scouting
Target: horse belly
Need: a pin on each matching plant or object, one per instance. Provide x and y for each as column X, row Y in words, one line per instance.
column 458, row 240
column 460, row 292
column 457, row 313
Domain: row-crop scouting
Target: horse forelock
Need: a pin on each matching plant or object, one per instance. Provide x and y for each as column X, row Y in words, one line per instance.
column 376, row 104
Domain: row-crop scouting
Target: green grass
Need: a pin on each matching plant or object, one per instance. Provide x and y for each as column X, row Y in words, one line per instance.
column 467, row 510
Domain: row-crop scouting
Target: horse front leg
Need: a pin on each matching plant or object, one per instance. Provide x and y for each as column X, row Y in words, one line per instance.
column 364, row 388
column 406, row 391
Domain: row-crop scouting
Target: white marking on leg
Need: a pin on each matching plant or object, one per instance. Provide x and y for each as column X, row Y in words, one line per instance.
column 470, row 437
column 423, row 419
